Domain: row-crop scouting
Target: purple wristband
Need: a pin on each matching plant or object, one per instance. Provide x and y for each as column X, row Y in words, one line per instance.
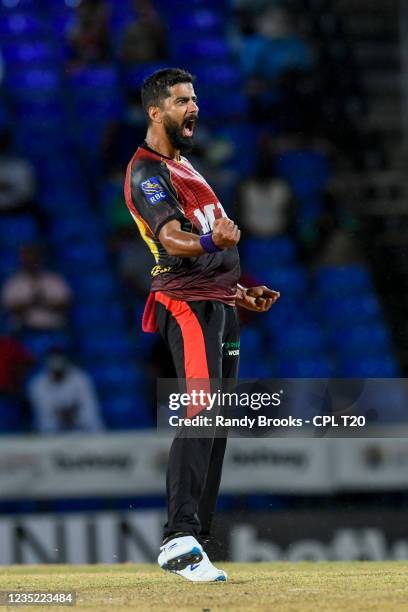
column 207, row 243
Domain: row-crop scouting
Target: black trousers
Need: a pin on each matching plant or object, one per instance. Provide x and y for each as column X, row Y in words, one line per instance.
column 203, row 338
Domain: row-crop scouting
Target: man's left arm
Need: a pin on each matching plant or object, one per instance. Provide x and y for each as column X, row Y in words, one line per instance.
column 257, row 299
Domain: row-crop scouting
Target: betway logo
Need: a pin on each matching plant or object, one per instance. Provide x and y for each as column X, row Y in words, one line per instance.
column 347, row 545
column 231, row 349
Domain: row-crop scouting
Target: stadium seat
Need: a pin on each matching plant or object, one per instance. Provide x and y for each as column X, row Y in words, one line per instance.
column 72, row 228
column 341, row 280
column 267, row 251
column 94, row 286
column 286, row 313
column 251, row 339
column 125, row 412
column 251, row 367
column 92, row 112
column 17, row 229
column 11, row 6
column 306, row 171
column 121, row 15
column 58, row 198
column 221, row 105
column 313, row 367
column 9, row 261
column 290, row 280
column 199, row 22
column 226, row 75
column 40, row 343
column 169, row 7
column 87, row 256
column 22, row 26
column 115, row 376
column 100, row 315
column 103, row 77
column 33, row 82
column 105, row 346
column 11, row 418
column 38, row 139
column 234, row 133
column 213, row 49
column 358, row 339
column 381, row 366
column 350, row 309
column 41, row 111
column 135, row 75
column 18, row 55
column 299, row 339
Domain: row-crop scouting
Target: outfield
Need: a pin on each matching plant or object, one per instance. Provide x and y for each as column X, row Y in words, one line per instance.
column 280, row 587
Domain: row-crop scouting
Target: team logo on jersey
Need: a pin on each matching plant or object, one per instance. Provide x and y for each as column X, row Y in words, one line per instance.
column 153, row 190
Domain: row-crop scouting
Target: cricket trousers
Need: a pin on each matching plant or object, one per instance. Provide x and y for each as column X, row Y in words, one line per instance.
column 203, row 338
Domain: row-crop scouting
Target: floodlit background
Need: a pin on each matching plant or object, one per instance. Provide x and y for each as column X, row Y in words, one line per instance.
column 302, row 137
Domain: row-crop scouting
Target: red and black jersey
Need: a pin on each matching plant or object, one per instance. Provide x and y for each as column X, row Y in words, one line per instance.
column 159, row 189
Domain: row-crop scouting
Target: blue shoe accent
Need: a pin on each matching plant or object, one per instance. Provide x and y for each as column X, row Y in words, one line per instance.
column 196, row 550
column 220, row 578
column 194, row 567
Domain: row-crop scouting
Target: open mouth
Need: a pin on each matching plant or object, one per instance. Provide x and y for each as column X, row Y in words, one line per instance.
column 188, row 128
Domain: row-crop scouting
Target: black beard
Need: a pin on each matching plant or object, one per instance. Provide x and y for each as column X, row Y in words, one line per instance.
column 184, row 144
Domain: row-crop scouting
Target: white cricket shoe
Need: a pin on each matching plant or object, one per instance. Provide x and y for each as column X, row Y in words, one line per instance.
column 204, row 571
column 179, row 553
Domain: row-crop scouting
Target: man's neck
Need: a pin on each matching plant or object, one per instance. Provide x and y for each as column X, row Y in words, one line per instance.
column 161, row 145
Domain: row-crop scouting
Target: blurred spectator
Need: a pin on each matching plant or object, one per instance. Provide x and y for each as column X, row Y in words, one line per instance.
column 273, row 59
column 63, row 397
column 275, row 47
column 88, row 39
column 335, row 242
column 124, row 136
column 17, row 181
column 265, row 203
column 36, row 298
column 144, row 40
column 246, row 9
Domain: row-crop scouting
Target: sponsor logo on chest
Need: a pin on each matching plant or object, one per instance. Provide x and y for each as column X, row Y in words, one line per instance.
column 153, row 190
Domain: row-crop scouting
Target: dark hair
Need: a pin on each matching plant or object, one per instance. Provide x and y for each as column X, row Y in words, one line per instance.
column 156, row 87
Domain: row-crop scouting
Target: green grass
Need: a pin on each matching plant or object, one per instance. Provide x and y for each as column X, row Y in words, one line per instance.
column 281, row 587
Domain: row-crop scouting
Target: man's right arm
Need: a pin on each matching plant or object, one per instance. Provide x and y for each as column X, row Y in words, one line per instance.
column 178, row 243
column 155, row 199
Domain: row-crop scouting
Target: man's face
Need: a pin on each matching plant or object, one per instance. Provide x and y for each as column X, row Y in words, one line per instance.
column 57, row 365
column 180, row 115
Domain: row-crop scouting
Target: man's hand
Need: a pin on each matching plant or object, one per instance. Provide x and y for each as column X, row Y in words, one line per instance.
column 179, row 243
column 258, row 299
column 225, row 233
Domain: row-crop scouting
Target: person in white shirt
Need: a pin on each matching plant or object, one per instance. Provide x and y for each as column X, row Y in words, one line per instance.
column 265, row 202
column 36, row 298
column 63, row 398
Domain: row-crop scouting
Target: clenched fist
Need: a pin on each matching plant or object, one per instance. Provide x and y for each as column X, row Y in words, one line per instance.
column 225, row 233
